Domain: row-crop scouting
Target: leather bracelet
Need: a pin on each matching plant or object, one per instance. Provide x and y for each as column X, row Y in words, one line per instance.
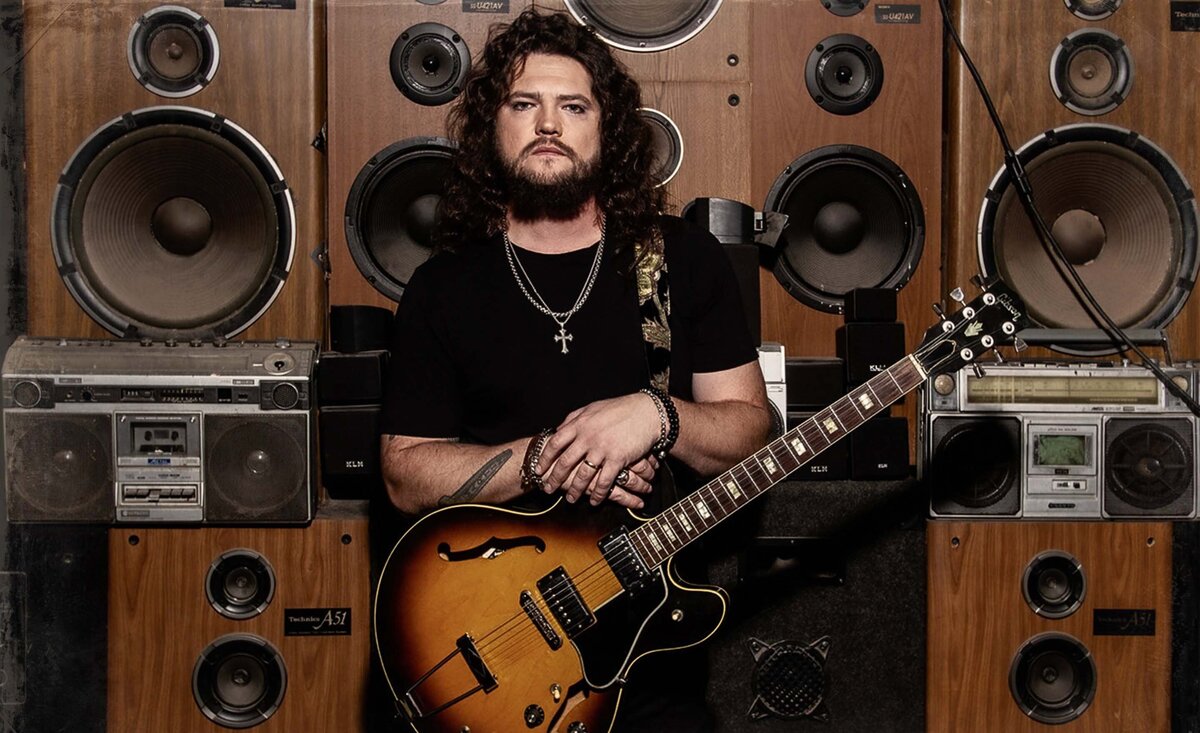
column 530, row 479
column 668, row 419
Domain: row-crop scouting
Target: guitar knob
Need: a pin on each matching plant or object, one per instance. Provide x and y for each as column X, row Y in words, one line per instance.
column 534, row 715
column 577, row 727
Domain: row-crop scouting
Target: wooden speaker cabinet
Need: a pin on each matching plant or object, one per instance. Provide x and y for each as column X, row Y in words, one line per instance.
column 1091, row 96
column 227, row 627
column 174, row 189
column 1045, row 626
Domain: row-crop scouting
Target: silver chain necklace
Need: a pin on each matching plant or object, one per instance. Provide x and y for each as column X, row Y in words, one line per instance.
column 536, row 299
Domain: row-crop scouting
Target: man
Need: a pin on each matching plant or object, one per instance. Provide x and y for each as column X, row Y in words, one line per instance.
column 530, row 316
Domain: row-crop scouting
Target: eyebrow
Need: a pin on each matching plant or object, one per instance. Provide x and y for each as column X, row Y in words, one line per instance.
column 560, row 98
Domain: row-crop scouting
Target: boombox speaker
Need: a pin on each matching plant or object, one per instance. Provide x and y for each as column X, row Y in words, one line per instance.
column 104, row 431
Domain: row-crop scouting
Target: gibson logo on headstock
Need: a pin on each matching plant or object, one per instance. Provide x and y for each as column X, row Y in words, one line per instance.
column 1007, row 304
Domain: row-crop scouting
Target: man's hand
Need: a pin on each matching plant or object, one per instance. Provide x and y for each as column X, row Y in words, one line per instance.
column 594, row 443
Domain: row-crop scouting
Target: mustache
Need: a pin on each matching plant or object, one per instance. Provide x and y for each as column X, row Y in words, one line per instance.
column 549, row 142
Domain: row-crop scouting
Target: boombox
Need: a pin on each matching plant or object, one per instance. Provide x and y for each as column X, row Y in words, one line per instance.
column 159, row 432
column 1059, row 441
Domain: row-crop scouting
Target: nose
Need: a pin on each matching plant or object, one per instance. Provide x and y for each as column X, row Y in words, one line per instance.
column 548, row 122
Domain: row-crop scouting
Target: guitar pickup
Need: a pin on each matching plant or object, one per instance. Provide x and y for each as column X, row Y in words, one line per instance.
column 540, row 622
column 563, row 599
column 625, row 561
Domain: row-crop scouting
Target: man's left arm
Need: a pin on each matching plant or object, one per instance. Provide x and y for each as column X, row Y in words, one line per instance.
column 727, row 420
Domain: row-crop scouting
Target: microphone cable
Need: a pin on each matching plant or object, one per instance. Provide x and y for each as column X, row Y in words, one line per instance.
column 1025, row 194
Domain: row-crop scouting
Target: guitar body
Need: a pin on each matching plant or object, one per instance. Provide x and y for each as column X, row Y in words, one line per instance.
column 452, row 589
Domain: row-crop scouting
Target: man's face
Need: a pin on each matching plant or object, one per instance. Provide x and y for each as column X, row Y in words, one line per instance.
column 548, row 130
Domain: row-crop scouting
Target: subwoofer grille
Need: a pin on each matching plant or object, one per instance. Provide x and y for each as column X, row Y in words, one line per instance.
column 1123, row 213
column 1149, row 467
column 257, row 469
column 975, row 467
column 172, row 222
column 644, row 25
column 392, row 208
column 854, row 221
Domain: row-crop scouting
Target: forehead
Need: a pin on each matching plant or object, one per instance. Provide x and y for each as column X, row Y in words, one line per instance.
column 551, row 72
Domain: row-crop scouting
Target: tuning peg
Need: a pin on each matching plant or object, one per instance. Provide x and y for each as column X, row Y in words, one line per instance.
column 1019, row 344
column 998, row 357
column 937, row 308
column 977, row 281
column 978, row 371
column 957, row 295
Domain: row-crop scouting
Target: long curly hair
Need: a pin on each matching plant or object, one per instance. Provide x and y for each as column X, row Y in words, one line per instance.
column 474, row 204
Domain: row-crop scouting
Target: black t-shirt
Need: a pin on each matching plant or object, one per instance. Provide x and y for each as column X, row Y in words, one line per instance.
column 473, row 359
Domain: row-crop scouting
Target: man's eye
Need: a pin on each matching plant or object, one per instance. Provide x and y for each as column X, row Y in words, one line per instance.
column 521, row 106
column 575, row 108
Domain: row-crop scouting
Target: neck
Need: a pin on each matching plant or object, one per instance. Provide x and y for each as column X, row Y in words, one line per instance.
column 555, row 236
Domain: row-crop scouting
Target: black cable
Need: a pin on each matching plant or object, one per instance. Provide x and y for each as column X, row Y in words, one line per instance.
column 1025, row 194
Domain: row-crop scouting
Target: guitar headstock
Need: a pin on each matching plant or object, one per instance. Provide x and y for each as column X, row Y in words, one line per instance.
column 993, row 317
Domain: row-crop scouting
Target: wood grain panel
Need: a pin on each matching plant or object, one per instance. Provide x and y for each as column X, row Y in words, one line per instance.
column 160, row 621
column 77, row 79
column 978, row 619
column 1017, row 76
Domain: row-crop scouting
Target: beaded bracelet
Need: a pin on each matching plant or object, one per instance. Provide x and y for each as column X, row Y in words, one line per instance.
column 530, row 479
column 668, row 419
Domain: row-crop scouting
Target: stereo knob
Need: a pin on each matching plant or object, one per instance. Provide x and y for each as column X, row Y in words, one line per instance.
column 27, row 394
column 285, row 396
column 943, row 384
column 534, row 715
column 577, row 727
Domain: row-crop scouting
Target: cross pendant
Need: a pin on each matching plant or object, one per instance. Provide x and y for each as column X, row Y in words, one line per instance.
column 564, row 337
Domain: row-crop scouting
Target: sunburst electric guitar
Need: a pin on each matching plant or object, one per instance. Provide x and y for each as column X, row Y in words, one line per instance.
column 489, row 620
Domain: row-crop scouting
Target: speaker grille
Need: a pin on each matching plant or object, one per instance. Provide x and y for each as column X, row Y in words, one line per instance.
column 854, row 221
column 257, row 469
column 1123, row 213
column 173, row 51
column 59, row 468
column 975, row 467
column 644, row 25
column 392, row 208
column 429, row 63
column 1149, row 467
column 1091, row 71
column 172, row 222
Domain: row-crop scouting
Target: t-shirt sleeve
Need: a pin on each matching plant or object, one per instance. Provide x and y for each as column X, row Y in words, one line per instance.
column 422, row 393
column 716, row 320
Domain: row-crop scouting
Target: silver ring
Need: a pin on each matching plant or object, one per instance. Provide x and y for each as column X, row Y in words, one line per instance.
column 590, row 465
column 622, row 477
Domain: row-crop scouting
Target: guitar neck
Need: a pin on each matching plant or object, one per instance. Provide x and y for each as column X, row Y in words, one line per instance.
column 677, row 526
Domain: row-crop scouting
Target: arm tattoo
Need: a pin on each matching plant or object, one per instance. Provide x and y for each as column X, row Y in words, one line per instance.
column 468, row 491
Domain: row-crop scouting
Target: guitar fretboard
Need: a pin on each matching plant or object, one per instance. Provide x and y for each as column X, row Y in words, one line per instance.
column 680, row 524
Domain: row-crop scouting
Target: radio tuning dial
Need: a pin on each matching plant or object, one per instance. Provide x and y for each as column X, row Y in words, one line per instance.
column 943, row 384
column 1181, row 382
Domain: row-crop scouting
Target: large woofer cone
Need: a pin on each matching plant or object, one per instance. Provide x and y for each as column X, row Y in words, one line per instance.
column 239, row 681
column 240, row 584
column 429, row 63
column 1053, row 678
column 1053, row 584
column 666, row 144
column 1093, row 9
column 975, row 467
column 256, row 469
column 172, row 222
column 1091, row 72
column 854, row 221
column 392, row 209
column 844, row 74
column 1123, row 214
column 1149, row 467
column 173, row 51
column 644, row 25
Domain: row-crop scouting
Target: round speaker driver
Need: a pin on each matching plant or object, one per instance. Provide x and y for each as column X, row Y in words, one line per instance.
column 173, row 51
column 637, row 25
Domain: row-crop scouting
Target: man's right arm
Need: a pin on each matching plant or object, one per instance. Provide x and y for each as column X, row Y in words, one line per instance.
column 422, row 474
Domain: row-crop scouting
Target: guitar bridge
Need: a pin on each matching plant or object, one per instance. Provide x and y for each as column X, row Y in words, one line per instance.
column 624, row 561
column 563, row 600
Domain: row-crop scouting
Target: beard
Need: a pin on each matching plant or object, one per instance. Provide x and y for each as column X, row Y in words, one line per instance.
column 558, row 196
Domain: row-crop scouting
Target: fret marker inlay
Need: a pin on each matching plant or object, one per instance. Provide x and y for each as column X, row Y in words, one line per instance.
column 654, row 541
column 670, row 533
column 798, row 447
column 770, row 464
column 830, row 426
column 683, row 520
column 702, row 509
column 865, row 401
column 732, row 487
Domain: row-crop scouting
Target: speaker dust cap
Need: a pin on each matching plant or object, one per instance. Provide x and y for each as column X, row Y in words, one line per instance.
column 644, row 25
column 1121, row 210
column 1091, row 71
column 854, row 221
column 429, row 63
column 173, row 51
column 173, row 222
column 392, row 208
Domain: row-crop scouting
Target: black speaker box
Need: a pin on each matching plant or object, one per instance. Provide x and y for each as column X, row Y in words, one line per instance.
column 350, row 451
column 354, row 328
column 879, row 449
column 868, row 349
column 831, row 464
column 814, row 383
column 744, row 258
column 870, row 305
column 827, row 613
column 351, row 379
